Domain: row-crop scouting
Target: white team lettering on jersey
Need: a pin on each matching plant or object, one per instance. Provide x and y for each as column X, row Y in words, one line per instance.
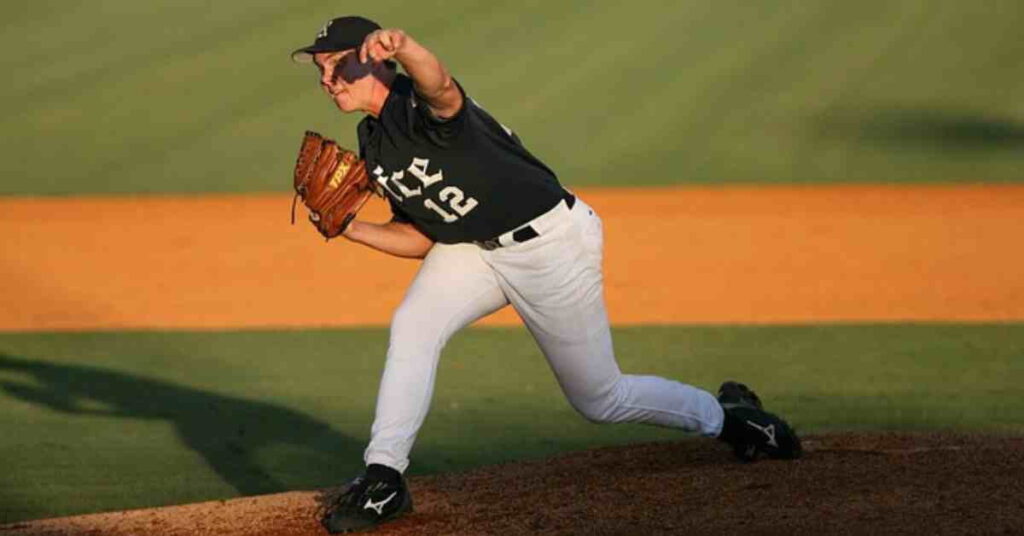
column 383, row 180
column 418, row 169
column 452, row 203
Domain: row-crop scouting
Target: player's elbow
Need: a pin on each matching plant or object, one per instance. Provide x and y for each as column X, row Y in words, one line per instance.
column 420, row 248
column 415, row 244
column 446, row 99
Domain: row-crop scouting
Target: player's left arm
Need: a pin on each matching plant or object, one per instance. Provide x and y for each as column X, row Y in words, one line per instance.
column 431, row 79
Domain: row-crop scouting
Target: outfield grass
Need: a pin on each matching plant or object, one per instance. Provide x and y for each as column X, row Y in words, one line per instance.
column 103, row 421
column 121, row 96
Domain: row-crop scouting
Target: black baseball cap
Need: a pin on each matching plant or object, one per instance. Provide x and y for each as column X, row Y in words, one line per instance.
column 341, row 33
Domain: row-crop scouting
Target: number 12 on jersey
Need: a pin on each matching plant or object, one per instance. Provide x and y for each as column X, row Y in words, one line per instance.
column 456, row 202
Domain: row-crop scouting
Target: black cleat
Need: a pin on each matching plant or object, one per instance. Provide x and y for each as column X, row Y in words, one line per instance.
column 379, row 495
column 752, row 430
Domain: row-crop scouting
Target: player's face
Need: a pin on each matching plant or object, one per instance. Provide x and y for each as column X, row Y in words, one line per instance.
column 345, row 79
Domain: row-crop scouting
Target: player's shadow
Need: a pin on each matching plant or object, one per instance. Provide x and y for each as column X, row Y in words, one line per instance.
column 226, row 431
column 924, row 128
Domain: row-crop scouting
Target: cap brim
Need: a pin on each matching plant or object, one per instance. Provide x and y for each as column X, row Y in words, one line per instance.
column 305, row 54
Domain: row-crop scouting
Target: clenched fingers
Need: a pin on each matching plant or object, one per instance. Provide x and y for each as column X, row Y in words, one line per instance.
column 381, row 45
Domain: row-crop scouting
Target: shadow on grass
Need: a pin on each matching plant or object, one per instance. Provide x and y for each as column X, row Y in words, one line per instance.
column 924, row 128
column 227, row 432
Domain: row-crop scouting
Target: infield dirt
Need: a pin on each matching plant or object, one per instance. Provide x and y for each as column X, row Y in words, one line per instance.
column 845, row 484
column 673, row 256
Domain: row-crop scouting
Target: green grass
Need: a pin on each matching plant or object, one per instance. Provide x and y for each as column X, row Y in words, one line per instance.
column 105, row 421
column 115, row 96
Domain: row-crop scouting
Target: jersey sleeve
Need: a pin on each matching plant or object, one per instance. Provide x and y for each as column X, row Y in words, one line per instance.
column 441, row 130
column 397, row 214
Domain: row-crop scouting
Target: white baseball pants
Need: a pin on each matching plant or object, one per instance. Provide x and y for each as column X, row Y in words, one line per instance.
column 555, row 283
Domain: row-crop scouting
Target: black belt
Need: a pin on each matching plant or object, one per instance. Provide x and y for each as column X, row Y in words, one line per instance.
column 526, row 233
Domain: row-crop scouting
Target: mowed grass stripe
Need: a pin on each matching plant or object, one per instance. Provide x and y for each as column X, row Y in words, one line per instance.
column 107, row 421
column 196, row 97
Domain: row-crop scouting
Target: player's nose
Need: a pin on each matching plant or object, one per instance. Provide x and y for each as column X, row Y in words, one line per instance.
column 327, row 81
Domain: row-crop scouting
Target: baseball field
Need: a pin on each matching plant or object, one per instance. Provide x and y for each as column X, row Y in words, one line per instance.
column 823, row 200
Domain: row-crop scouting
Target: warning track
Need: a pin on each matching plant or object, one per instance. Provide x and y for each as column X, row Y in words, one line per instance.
column 674, row 256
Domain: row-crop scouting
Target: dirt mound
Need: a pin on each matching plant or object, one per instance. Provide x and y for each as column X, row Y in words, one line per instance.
column 846, row 484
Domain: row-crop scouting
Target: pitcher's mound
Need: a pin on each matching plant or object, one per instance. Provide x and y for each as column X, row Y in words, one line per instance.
column 919, row 484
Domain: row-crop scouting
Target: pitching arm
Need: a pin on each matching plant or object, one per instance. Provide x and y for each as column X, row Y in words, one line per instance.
column 430, row 77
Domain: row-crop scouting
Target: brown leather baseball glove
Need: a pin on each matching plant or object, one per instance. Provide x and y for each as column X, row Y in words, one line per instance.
column 332, row 182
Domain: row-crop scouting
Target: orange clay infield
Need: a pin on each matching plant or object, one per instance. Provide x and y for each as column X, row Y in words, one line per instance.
column 681, row 255
column 673, row 256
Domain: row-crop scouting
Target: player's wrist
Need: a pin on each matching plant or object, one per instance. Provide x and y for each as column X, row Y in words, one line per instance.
column 352, row 231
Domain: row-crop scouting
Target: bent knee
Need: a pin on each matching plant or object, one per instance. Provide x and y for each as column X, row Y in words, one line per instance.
column 598, row 413
column 601, row 408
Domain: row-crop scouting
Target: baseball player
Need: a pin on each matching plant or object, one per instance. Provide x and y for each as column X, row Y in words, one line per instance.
column 494, row 227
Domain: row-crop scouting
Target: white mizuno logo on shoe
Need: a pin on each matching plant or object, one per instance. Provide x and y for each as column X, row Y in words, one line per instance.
column 768, row 431
column 378, row 506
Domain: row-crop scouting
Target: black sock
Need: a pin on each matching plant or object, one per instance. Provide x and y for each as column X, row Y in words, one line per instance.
column 376, row 471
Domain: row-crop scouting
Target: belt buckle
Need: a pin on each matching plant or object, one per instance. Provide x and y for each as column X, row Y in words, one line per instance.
column 489, row 245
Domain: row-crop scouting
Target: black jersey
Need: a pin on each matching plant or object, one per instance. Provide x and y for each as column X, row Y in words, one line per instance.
column 463, row 179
